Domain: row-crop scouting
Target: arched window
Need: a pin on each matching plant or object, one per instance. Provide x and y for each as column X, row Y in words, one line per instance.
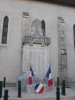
column 43, row 26
column 74, row 34
column 5, row 30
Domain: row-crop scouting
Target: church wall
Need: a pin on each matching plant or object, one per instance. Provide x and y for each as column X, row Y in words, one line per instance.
column 10, row 55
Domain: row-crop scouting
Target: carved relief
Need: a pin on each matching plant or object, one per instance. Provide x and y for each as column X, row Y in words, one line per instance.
column 37, row 35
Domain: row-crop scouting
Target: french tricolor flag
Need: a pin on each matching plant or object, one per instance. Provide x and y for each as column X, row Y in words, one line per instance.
column 31, row 74
column 49, row 76
column 39, row 88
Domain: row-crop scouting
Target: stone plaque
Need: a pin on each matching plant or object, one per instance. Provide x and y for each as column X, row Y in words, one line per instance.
column 38, row 58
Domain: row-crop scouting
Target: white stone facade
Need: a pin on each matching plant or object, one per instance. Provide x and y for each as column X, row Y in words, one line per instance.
column 10, row 54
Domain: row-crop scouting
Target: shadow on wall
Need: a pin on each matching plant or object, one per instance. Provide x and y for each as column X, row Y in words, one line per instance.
column 62, row 2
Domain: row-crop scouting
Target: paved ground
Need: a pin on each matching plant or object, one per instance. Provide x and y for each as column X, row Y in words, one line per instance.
column 51, row 93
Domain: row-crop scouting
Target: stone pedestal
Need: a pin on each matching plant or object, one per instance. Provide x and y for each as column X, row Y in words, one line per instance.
column 37, row 57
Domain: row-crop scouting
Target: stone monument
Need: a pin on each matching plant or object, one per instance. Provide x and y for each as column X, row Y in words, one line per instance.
column 36, row 51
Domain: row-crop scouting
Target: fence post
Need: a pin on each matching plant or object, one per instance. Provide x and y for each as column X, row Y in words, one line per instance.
column 4, row 82
column 63, row 88
column 57, row 93
column 6, row 94
column 0, row 89
column 57, row 81
column 57, row 90
column 19, row 89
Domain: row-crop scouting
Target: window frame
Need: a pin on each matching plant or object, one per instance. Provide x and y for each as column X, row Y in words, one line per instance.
column 74, row 34
column 5, row 30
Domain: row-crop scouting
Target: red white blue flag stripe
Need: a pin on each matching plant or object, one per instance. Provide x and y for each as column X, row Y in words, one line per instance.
column 39, row 88
column 31, row 74
column 49, row 76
